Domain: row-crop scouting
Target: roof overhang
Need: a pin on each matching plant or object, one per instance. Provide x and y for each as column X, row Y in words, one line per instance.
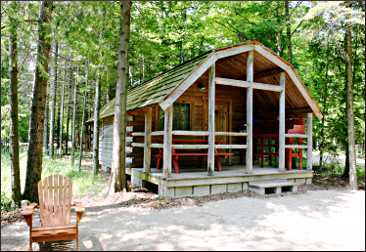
column 231, row 51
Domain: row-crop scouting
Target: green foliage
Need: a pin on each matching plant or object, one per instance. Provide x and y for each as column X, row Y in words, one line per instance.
column 360, row 174
column 332, row 169
column 23, row 120
column 322, row 68
column 6, row 203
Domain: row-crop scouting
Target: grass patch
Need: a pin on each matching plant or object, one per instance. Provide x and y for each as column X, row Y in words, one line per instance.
column 336, row 170
column 332, row 169
column 360, row 176
column 84, row 182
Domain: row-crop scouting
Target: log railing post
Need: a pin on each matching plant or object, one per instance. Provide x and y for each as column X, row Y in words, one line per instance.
column 281, row 118
column 168, row 128
column 309, row 131
column 250, row 79
column 211, row 122
column 147, row 140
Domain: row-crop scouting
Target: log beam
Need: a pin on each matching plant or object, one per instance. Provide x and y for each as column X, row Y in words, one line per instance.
column 250, row 78
column 211, row 122
column 147, row 140
column 168, row 128
column 246, row 84
column 281, row 133
column 309, row 131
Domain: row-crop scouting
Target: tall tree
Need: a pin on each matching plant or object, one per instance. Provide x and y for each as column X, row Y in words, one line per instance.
column 60, row 149
column 45, row 133
column 73, row 122
column 14, row 133
column 82, row 129
column 96, row 126
column 288, row 31
column 120, row 120
column 34, row 161
column 53, row 103
column 72, row 85
column 349, row 105
column 58, row 114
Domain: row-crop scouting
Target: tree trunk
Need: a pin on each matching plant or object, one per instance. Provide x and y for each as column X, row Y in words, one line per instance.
column 73, row 124
column 45, row 133
column 71, row 81
column 34, row 162
column 53, row 106
column 96, row 126
column 349, row 105
column 120, row 120
column 346, row 163
column 324, row 101
column 108, row 87
column 14, row 133
column 62, row 116
column 57, row 135
column 82, row 129
column 288, row 32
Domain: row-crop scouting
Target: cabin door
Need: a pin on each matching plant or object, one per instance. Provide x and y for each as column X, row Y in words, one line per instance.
column 222, row 120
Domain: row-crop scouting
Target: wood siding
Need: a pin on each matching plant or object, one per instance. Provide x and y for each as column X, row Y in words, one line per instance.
column 106, row 143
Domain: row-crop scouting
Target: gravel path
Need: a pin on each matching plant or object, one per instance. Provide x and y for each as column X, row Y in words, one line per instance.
column 316, row 220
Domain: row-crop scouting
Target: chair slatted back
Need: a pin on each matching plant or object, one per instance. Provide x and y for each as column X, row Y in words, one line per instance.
column 54, row 193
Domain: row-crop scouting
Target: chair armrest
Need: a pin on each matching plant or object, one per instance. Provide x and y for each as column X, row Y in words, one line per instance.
column 28, row 214
column 79, row 212
column 75, row 203
column 32, row 205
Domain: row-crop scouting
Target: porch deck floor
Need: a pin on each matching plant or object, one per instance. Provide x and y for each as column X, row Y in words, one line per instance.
column 231, row 179
column 228, row 171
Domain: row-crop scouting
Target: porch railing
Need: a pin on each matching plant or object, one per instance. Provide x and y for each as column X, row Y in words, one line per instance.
column 192, row 133
column 296, row 145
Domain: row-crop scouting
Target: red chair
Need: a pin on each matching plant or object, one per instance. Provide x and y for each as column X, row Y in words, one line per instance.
column 176, row 154
column 267, row 147
column 298, row 128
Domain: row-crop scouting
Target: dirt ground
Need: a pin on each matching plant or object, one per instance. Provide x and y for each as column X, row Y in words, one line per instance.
column 317, row 220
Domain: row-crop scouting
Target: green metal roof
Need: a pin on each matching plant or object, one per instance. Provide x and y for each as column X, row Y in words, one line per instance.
column 155, row 90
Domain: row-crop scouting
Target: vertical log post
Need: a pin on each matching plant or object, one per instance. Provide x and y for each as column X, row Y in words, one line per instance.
column 281, row 118
column 309, row 131
column 147, row 144
column 211, row 122
column 168, row 127
column 250, row 79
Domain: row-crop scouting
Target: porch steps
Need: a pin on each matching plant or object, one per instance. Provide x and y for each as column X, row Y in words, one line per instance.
column 272, row 187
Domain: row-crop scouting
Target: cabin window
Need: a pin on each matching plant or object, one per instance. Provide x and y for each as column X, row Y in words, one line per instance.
column 181, row 117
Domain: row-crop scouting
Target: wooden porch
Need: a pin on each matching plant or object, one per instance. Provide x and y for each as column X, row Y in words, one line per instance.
column 231, row 179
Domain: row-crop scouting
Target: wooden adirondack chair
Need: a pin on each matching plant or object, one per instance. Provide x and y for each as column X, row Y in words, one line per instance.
column 54, row 193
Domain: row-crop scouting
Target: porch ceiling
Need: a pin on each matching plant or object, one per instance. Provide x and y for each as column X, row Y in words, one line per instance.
column 265, row 71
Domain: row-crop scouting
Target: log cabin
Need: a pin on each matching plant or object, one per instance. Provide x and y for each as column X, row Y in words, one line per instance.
column 234, row 119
